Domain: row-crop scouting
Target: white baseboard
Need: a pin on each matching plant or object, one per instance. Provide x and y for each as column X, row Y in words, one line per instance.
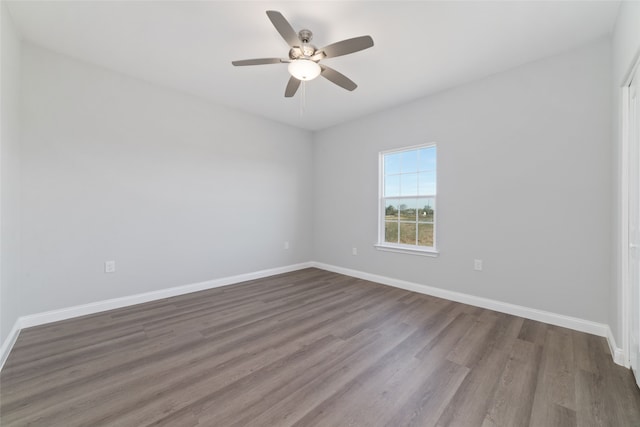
column 110, row 304
column 8, row 343
column 574, row 323
column 599, row 329
column 616, row 352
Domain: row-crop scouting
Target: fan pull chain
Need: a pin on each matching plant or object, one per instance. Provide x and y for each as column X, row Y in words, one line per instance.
column 303, row 98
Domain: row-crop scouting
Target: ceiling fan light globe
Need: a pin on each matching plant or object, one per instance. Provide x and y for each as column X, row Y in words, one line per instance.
column 304, row 69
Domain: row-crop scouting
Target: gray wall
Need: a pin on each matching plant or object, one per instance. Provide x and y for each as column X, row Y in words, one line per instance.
column 177, row 190
column 524, row 183
column 174, row 189
column 625, row 47
column 10, row 175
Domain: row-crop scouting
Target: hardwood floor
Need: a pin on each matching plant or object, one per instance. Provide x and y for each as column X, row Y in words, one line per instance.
column 312, row 348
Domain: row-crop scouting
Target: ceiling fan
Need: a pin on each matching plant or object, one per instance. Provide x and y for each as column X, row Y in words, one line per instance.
column 304, row 57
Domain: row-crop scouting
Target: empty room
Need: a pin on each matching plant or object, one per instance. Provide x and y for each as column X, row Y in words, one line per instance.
column 330, row 213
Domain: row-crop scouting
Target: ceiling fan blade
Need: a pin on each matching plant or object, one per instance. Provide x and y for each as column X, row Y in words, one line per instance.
column 292, row 87
column 259, row 61
column 337, row 78
column 284, row 28
column 345, row 47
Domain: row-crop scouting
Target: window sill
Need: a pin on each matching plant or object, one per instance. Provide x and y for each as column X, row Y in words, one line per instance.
column 404, row 250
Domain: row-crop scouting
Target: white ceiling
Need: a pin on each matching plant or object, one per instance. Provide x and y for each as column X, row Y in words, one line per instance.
column 420, row 47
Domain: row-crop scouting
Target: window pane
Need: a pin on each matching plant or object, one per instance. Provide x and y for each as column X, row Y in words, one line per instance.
column 425, row 234
column 409, row 184
column 427, row 159
column 426, row 209
column 391, row 163
column 427, row 183
column 409, row 161
column 407, row 210
column 392, row 186
column 391, row 232
column 408, row 233
column 391, row 210
column 409, row 197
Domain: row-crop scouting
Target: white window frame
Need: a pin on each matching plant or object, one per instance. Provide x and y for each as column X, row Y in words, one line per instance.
column 399, row 247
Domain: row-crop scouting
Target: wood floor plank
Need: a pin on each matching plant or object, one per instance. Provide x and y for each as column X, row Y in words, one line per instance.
column 214, row 403
column 591, row 409
column 83, row 392
column 511, row 405
column 426, row 403
column 360, row 402
column 342, row 378
column 284, row 410
column 465, row 408
column 556, row 383
column 532, row 331
column 312, row 348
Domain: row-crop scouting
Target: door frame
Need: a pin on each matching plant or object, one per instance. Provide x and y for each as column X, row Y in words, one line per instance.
column 624, row 214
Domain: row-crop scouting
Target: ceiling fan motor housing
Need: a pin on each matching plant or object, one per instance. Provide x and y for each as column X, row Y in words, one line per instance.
column 305, row 50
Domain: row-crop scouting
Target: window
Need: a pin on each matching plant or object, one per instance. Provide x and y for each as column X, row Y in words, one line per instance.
column 407, row 209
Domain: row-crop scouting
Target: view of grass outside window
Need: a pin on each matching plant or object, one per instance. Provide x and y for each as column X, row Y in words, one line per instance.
column 408, row 199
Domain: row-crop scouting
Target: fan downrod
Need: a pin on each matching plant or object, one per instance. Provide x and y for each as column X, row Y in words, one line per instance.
column 305, row 36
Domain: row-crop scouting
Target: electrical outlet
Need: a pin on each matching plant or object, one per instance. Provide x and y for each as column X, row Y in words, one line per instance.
column 286, row 245
column 354, row 251
column 109, row 266
column 477, row 264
